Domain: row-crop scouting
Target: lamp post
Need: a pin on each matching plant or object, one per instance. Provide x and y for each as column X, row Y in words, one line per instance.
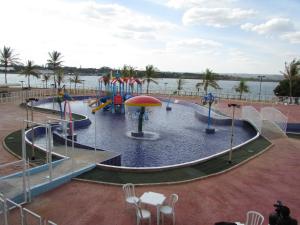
column 31, row 105
column 22, row 83
column 260, row 80
column 233, row 105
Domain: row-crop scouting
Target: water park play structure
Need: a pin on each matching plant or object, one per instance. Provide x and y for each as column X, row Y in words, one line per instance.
column 142, row 102
column 112, row 93
column 65, row 112
column 209, row 98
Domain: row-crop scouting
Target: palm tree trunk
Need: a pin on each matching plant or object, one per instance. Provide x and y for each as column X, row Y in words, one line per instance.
column 290, row 87
column 54, row 81
column 54, row 78
column 28, row 81
column 5, row 72
column 46, row 84
column 148, row 86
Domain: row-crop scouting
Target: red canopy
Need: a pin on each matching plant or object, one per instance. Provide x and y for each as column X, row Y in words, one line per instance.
column 143, row 100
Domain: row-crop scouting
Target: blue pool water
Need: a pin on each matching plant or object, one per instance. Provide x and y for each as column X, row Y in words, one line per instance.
column 182, row 136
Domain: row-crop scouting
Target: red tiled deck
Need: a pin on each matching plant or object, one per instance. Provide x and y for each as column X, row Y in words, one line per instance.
column 253, row 186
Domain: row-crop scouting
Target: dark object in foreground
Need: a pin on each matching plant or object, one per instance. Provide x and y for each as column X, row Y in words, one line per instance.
column 225, row 223
column 281, row 216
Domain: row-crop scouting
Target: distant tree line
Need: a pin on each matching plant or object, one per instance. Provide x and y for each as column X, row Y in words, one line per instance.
column 139, row 73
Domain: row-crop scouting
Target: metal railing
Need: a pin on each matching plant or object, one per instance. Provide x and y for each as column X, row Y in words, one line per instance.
column 20, row 215
column 20, row 96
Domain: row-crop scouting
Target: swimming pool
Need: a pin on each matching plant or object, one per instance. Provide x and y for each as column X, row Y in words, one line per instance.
column 182, row 136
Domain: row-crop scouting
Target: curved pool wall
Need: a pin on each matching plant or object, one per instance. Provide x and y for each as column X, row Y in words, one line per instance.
column 200, row 113
column 40, row 131
column 78, row 124
column 293, row 128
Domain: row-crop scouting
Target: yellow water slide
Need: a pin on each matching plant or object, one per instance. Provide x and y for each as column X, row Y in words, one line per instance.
column 101, row 106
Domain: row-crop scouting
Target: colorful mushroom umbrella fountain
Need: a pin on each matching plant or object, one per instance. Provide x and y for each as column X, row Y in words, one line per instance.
column 142, row 101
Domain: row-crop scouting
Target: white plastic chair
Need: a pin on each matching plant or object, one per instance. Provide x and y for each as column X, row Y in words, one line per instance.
column 141, row 214
column 254, row 218
column 169, row 208
column 129, row 192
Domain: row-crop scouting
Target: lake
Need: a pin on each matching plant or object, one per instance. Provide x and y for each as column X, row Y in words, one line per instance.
column 167, row 84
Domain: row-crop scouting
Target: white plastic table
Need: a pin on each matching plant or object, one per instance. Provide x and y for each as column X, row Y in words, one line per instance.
column 155, row 199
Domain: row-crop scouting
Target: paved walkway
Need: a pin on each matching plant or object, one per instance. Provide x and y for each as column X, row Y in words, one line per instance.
column 11, row 119
column 253, row 186
column 13, row 187
column 291, row 111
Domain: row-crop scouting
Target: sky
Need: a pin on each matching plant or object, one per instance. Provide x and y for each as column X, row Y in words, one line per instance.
column 227, row 36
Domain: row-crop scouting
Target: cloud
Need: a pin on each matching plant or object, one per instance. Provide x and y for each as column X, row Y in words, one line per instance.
column 185, row 4
column 98, row 11
column 237, row 55
column 272, row 26
column 291, row 55
column 136, row 36
column 292, row 37
column 85, row 32
column 129, row 23
column 195, row 45
column 216, row 17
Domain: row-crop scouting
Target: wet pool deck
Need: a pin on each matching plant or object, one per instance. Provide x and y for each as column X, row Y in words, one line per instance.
column 255, row 185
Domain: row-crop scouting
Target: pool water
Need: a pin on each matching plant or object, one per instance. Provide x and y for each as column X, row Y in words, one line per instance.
column 182, row 136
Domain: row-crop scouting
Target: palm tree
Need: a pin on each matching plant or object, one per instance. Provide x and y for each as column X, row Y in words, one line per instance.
column 150, row 71
column 208, row 80
column 54, row 62
column 292, row 70
column 76, row 80
column 242, row 87
column 46, row 78
column 29, row 70
column 131, row 74
column 180, row 83
column 7, row 58
column 131, row 71
column 125, row 71
column 60, row 75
